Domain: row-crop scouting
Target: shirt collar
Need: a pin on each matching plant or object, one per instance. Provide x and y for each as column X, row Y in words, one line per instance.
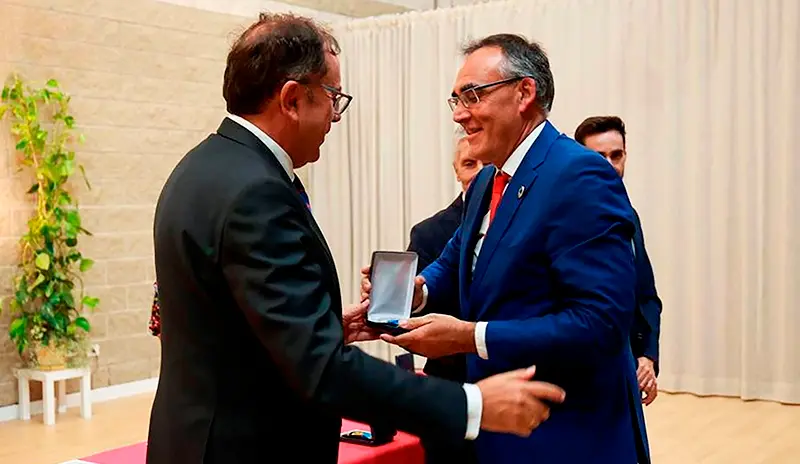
column 283, row 157
column 512, row 163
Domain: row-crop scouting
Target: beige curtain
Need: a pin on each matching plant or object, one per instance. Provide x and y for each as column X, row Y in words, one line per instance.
column 709, row 91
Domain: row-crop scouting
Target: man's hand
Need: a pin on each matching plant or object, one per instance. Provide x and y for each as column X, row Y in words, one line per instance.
column 512, row 403
column 646, row 374
column 435, row 335
column 366, row 287
column 354, row 323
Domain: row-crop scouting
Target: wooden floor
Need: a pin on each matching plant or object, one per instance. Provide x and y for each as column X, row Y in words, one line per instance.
column 683, row 429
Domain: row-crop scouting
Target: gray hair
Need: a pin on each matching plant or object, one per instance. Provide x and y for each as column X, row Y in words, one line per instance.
column 458, row 133
column 522, row 59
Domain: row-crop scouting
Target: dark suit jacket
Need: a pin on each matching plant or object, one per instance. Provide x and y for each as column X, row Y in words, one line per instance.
column 428, row 239
column 253, row 361
column 647, row 320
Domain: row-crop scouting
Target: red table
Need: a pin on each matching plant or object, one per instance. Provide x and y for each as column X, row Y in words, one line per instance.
column 405, row 449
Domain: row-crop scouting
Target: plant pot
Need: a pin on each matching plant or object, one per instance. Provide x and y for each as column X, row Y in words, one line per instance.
column 50, row 358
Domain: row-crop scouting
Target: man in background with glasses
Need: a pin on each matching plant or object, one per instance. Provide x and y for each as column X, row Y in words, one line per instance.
column 542, row 266
column 256, row 356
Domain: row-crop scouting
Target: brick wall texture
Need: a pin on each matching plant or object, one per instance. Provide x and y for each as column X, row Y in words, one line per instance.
column 145, row 78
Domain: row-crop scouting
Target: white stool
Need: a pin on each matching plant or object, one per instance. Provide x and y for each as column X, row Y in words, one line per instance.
column 48, row 379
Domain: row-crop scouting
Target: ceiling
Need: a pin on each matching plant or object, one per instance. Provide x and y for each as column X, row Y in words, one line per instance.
column 352, row 8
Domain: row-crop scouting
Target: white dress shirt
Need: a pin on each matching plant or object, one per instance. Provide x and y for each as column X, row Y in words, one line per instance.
column 472, row 392
column 509, row 167
column 281, row 155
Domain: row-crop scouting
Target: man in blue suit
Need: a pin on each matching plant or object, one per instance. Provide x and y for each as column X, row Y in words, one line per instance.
column 606, row 135
column 542, row 266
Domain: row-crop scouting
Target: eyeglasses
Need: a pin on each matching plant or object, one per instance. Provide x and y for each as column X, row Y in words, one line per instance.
column 470, row 96
column 340, row 100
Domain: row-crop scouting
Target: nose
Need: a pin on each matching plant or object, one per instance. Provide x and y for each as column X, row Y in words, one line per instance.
column 460, row 114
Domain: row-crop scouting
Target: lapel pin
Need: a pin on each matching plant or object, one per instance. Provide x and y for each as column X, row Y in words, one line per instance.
column 521, row 192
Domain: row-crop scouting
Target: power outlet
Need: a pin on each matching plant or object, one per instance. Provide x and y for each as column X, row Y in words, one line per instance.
column 95, row 352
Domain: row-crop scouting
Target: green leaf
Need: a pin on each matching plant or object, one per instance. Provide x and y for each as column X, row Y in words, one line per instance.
column 69, row 121
column 83, row 323
column 22, row 343
column 52, row 83
column 86, row 264
column 22, row 144
column 33, row 110
column 67, row 167
column 34, row 188
column 42, row 261
column 64, row 199
column 4, row 95
column 71, row 241
column 61, row 322
column 91, row 302
column 36, row 283
column 17, row 327
column 67, row 297
column 46, row 311
column 74, row 219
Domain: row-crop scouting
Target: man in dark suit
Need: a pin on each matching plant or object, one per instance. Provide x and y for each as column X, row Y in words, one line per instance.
column 428, row 239
column 606, row 135
column 256, row 360
column 542, row 266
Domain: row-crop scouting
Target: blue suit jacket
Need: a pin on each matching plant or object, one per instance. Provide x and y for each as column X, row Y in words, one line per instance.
column 556, row 280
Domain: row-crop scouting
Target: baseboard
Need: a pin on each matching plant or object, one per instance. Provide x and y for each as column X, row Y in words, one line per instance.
column 99, row 395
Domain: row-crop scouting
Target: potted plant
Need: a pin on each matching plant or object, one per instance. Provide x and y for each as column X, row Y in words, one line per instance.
column 47, row 323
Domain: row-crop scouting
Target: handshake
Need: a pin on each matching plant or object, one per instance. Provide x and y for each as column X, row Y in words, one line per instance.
column 511, row 401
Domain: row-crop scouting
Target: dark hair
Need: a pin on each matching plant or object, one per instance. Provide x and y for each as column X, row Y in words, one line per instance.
column 598, row 125
column 275, row 49
column 522, row 59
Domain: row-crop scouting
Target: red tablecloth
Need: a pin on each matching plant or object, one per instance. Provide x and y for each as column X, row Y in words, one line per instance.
column 405, row 449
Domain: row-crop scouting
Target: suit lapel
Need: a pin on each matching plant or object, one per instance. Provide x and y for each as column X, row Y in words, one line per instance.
column 233, row 131
column 516, row 192
column 474, row 209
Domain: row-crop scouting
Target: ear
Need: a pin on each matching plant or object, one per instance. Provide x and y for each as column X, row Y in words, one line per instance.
column 289, row 99
column 527, row 94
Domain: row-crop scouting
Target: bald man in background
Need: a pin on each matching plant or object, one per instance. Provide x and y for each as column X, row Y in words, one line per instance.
column 428, row 239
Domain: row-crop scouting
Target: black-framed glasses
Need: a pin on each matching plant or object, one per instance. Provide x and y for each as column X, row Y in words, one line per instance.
column 340, row 100
column 470, row 96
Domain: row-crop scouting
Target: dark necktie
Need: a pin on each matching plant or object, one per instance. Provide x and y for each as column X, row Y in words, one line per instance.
column 302, row 191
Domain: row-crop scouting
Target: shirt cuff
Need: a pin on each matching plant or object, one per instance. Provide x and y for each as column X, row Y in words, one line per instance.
column 474, row 410
column 480, row 339
column 424, row 299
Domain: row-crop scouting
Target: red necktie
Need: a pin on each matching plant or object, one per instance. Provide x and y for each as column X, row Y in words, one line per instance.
column 498, row 187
